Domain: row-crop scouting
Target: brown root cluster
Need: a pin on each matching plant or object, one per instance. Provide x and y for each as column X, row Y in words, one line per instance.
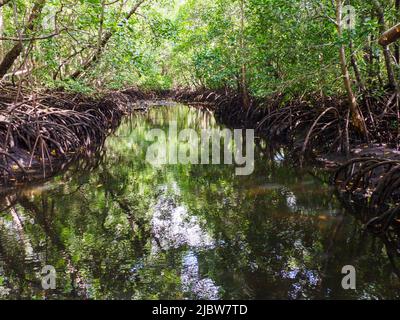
column 374, row 185
column 319, row 126
column 309, row 125
column 39, row 132
column 312, row 125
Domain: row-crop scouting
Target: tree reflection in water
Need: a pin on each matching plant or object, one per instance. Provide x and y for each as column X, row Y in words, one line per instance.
column 123, row 229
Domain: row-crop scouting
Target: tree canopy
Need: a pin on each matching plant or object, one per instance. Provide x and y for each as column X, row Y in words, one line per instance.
column 262, row 46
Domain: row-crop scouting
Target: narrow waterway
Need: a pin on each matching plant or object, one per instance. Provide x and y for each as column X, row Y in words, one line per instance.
column 121, row 228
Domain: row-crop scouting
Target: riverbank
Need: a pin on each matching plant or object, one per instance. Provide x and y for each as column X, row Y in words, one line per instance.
column 41, row 132
column 140, row 222
column 317, row 130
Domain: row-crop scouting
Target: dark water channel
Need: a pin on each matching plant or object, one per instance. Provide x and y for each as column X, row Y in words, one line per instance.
column 126, row 229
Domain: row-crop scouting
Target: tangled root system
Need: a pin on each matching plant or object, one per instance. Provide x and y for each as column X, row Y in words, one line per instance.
column 41, row 131
column 374, row 184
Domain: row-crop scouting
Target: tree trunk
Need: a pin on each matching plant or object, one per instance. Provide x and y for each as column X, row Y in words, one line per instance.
column 243, row 77
column 356, row 70
column 385, row 48
column 1, row 32
column 390, row 36
column 356, row 117
column 361, row 85
column 397, row 47
column 102, row 44
column 16, row 50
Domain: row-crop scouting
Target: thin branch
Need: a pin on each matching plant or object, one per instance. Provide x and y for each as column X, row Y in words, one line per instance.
column 34, row 38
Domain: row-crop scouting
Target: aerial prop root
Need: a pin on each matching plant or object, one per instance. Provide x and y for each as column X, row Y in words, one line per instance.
column 36, row 131
column 376, row 182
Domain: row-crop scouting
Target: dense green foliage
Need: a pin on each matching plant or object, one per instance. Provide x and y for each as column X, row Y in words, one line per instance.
column 268, row 46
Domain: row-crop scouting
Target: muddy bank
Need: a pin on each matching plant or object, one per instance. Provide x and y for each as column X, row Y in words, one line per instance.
column 41, row 133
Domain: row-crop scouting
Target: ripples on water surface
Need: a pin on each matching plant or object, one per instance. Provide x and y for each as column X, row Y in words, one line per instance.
column 128, row 230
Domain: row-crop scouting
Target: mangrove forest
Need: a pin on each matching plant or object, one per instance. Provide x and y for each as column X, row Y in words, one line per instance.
column 199, row 150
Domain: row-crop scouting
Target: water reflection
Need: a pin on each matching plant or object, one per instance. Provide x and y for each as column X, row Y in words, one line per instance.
column 197, row 288
column 174, row 227
column 123, row 229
